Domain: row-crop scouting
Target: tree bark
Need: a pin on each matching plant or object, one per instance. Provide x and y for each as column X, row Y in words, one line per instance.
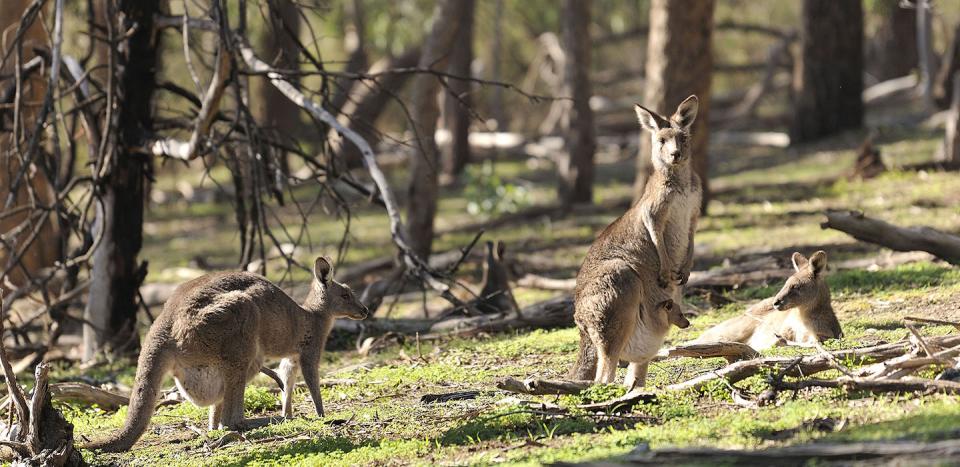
column 423, row 187
column 828, row 76
column 117, row 274
column 576, row 166
column 679, row 63
column 271, row 109
column 892, row 51
column 457, row 102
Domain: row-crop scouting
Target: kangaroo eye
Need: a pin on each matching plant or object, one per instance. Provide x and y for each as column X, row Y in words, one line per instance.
column 663, row 141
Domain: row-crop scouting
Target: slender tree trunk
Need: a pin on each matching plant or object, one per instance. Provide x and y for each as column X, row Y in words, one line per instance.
column 679, row 63
column 828, row 76
column 925, row 49
column 457, row 101
column 576, row 166
column 496, row 60
column 892, row 51
column 271, row 108
column 424, row 164
column 117, row 273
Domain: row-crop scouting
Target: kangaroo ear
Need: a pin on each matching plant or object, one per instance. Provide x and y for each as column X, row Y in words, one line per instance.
column 321, row 269
column 686, row 113
column 799, row 261
column 818, row 261
column 649, row 120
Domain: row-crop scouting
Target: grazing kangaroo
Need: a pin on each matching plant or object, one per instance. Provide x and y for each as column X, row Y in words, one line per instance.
column 213, row 335
column 640, row 259
column 799, row 314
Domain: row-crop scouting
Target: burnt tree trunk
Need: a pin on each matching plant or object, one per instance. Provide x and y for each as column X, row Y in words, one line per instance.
column 117, row 274
column 892, row 51
column 423, row 188
column 576, row 166
column 679, row 63
column 828, row 77
column 457, row 101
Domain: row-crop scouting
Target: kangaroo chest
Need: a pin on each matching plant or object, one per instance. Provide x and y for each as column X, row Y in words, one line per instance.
column 677, row 233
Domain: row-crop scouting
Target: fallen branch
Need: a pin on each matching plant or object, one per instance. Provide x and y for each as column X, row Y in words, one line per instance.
column 854, row 223
column 730, row 350
column 875, row 385
column 88, row 394
column 540, row 387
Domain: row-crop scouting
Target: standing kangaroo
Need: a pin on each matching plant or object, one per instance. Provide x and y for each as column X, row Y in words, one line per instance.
column 800, row 313
column 213, row 335
column 641, row 259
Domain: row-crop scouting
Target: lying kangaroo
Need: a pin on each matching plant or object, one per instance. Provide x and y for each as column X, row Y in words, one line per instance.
column 641, row 258
column 213, row 335
column 799, row 314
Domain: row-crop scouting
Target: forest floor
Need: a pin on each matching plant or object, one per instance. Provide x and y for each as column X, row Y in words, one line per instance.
column 767, row 201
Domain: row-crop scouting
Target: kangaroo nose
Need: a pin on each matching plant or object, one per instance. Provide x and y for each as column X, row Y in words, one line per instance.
column 777, row 303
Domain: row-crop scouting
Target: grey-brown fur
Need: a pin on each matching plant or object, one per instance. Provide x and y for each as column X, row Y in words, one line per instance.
column 800, row 313
column 641, row 259
column 214, row 334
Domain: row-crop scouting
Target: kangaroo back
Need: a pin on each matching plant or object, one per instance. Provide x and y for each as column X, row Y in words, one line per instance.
column 154, row 362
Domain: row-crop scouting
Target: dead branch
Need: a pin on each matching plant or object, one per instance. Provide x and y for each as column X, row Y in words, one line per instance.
column 854, row 223
column 730, row 350
column 875, row 385
column 88, row 394
column 539, row 387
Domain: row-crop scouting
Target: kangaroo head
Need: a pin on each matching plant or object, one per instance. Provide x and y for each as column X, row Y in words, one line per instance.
column 339, row 298
column 803, row 287
column 670, row 136
column 674, row 314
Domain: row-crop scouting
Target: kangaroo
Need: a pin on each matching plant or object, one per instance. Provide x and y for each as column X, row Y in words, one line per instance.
column 213, row 335
column 495, row 296
column 799, row 314
column 641, row 258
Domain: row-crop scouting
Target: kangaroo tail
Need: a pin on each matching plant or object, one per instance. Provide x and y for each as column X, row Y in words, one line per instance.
column 153, row 364
column 586, row 366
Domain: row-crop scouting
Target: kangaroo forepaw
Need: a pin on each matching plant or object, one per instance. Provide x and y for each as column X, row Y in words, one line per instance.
column 681, row 276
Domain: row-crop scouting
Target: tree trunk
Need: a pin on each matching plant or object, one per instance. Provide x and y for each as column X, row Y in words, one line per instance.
column 354, row 40
column 423, row 189
column 271, row 109
column 828, row 76
column 45, row 250
column 496, row 61
column 925, row 49
column 892, row 52
column 368, row 102
column 951, row 142
column 116, row 273
column 457, row 102
column 943, row 84
column 576, row 166
column 679, row 63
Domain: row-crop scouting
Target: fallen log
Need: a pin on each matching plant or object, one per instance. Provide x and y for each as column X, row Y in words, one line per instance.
column 730, row 350
column 88, row 394
column 854, row 223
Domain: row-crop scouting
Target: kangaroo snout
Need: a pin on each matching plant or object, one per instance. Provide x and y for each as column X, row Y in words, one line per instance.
column 778, row 304
column 361, row 313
